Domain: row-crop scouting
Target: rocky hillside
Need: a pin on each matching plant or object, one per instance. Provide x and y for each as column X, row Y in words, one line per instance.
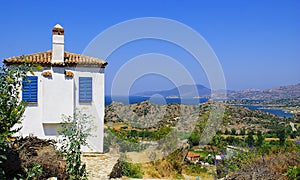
column 283, row 92
column 238, row 117
column 152, row 116
column 148, row 115
column 200, row 91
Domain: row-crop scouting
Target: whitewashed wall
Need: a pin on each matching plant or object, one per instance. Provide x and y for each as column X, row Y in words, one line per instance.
column 59, row 95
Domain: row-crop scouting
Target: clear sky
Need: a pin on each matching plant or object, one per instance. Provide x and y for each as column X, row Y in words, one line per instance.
column 256, row 41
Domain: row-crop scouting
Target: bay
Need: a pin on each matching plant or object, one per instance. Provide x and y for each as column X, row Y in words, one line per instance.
column 277, row 112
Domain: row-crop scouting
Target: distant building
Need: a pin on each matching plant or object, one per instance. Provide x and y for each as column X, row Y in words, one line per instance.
column 293, row 127
column 192, row 157
column 67, row 82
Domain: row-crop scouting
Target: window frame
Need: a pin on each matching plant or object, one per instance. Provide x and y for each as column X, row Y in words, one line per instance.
column 30, row 89
column 85, row 89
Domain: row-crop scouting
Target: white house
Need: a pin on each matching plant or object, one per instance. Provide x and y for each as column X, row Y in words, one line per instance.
column 67, row 82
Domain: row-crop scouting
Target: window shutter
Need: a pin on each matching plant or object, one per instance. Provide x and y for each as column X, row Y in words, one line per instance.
column 30, row 89
column 85, row 89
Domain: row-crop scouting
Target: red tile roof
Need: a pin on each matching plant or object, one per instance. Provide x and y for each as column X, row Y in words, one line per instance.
column 44, row 58
column 192, row 154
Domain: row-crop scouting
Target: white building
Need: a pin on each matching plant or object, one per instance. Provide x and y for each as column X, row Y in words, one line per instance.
column 67, row 82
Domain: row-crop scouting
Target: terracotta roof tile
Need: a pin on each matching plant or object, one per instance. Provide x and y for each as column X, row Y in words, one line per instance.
column 44, row 58
column 192, row 154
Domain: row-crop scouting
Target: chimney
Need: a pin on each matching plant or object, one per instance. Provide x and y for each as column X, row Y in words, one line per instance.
column 58, row 43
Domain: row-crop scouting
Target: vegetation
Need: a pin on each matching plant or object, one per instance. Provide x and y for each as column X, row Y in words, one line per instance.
column 293, row 172
column 75, row 131
column 253, row 136
column 30, row 157
column 131, row 170
column 33, row 171
column 250, row 138
column 115, row 140
column 281, row 134
column 260, row 139
column 11, row 109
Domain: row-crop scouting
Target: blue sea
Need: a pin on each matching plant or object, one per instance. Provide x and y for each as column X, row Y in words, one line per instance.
column 154, row 100
column 277, row 112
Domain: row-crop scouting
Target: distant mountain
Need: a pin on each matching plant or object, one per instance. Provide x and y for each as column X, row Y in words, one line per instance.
column 181, row 91
column 283, row 92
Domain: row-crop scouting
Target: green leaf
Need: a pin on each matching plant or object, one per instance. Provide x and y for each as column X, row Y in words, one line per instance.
column 32, row 174
column 3, row 157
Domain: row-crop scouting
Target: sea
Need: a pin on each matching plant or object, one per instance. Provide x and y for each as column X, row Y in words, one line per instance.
column 193, row 101
column 277, row 112
column 155, row 100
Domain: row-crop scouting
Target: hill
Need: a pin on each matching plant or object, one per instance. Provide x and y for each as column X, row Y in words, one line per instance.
column 161, row 128
column 181, row 91
column 200, row 91
column 283, row 92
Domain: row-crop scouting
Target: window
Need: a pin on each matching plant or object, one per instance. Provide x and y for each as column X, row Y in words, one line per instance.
column 85, row 89
column 30, row 89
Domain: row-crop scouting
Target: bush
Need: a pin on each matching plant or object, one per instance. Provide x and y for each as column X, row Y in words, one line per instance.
column 194, row 139
column 11, row 109
column 233, row 132
column 195, row 169
column 250, row 139
column 260, row 138
column 75, row 132
column 281, row 134
column 293, row 172
column 226, row 132
column 243, row 132
column 114, row 138
column 131, row 170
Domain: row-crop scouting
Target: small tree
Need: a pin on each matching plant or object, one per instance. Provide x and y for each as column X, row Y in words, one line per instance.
column 243, row 132
column 260, row 138
column 233, row 132
column 11, row 108
column 250, row 140
column 75, row 132
column 194, row 139
column 281, row 134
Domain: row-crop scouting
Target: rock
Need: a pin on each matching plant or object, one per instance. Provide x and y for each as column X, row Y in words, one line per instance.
column 99, row 166
column 117, row 170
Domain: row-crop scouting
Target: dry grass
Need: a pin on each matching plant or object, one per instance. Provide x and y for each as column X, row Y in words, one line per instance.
column 272, row 166
column 159, row 169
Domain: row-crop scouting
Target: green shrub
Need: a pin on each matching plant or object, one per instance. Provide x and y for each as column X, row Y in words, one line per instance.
column 195, row 169
column 132, row 170
column 75, row 132
column 293, row 172
column 11, row 109
column 35, row 170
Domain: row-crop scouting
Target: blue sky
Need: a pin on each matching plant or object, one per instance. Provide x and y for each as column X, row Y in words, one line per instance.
column 256, row 42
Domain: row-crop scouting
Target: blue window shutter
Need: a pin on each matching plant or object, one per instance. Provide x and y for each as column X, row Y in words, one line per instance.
column 85, row 89
column 30, row 89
